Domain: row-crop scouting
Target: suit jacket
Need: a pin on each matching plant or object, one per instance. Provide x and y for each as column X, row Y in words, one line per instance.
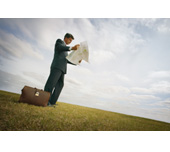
column 60, row 53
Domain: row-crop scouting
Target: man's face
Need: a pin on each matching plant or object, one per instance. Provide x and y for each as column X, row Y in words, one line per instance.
column 68, row 40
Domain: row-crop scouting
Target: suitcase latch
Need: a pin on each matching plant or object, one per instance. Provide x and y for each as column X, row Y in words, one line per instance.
column 37, row 93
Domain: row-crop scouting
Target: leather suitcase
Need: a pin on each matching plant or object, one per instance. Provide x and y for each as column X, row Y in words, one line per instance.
column 34, row 96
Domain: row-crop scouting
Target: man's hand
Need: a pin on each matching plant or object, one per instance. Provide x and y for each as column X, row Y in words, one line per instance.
column 75, row 47
column 80, row 61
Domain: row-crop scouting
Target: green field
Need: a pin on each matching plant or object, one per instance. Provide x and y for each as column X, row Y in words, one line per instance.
column 16, row 116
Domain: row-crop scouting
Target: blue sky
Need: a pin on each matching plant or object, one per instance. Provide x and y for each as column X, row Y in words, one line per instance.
column 129, row 70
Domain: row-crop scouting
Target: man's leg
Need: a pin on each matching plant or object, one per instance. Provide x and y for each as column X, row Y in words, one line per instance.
column 58, row 88
column 53, row 78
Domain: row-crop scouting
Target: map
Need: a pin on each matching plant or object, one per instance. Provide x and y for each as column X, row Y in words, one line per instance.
column 82, row 53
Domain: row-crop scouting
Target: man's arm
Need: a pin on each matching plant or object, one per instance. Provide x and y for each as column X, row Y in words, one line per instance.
column 70, row 62
column 66, row 48
column 61, row 47
column 74, row 48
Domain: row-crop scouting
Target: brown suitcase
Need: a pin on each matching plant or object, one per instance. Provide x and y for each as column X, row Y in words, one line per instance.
column 34, row 96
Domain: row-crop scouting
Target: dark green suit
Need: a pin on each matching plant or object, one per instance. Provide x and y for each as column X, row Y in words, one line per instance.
column 55, row 80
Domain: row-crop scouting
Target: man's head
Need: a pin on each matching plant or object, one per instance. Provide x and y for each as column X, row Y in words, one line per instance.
column 68, row 38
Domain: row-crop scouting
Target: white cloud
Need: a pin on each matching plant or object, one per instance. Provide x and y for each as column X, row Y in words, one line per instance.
column 117, row 36
column 72, row 81
column 148, row 22
column 158, row 25
column 167, row 101
column 36, row 76
column 39, row 31
column 141, row 90
column 101, row 57
column 160, row 87
column 12, row 46
column 135, row 97
column 159, row 74
column 122, row 78
column 164, row 26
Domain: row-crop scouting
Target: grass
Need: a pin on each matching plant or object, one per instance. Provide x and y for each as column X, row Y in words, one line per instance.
column 16, row 116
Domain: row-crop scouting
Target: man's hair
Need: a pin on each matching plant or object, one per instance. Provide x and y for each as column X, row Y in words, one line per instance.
column 68, row 35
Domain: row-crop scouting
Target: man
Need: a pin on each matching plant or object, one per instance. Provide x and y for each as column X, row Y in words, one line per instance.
column 55, row 80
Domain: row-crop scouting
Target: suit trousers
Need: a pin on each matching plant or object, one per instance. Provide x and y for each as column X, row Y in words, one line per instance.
column 54, row 84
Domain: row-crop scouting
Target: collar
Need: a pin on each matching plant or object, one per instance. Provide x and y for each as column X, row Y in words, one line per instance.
column 64, row 42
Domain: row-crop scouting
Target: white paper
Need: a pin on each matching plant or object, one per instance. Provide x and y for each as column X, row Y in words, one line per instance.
column 82, row 53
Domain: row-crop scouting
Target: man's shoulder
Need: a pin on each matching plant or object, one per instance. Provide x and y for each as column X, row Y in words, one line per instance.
column 59, row 41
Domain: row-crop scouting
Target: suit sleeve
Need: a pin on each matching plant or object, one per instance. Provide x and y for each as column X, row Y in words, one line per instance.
column 70, row 63
column 61, row 47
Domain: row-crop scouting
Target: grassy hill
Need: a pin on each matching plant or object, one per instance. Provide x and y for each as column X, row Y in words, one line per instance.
column 19, row 116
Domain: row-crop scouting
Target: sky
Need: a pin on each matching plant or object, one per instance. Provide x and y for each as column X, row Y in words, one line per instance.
column 129, row 69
